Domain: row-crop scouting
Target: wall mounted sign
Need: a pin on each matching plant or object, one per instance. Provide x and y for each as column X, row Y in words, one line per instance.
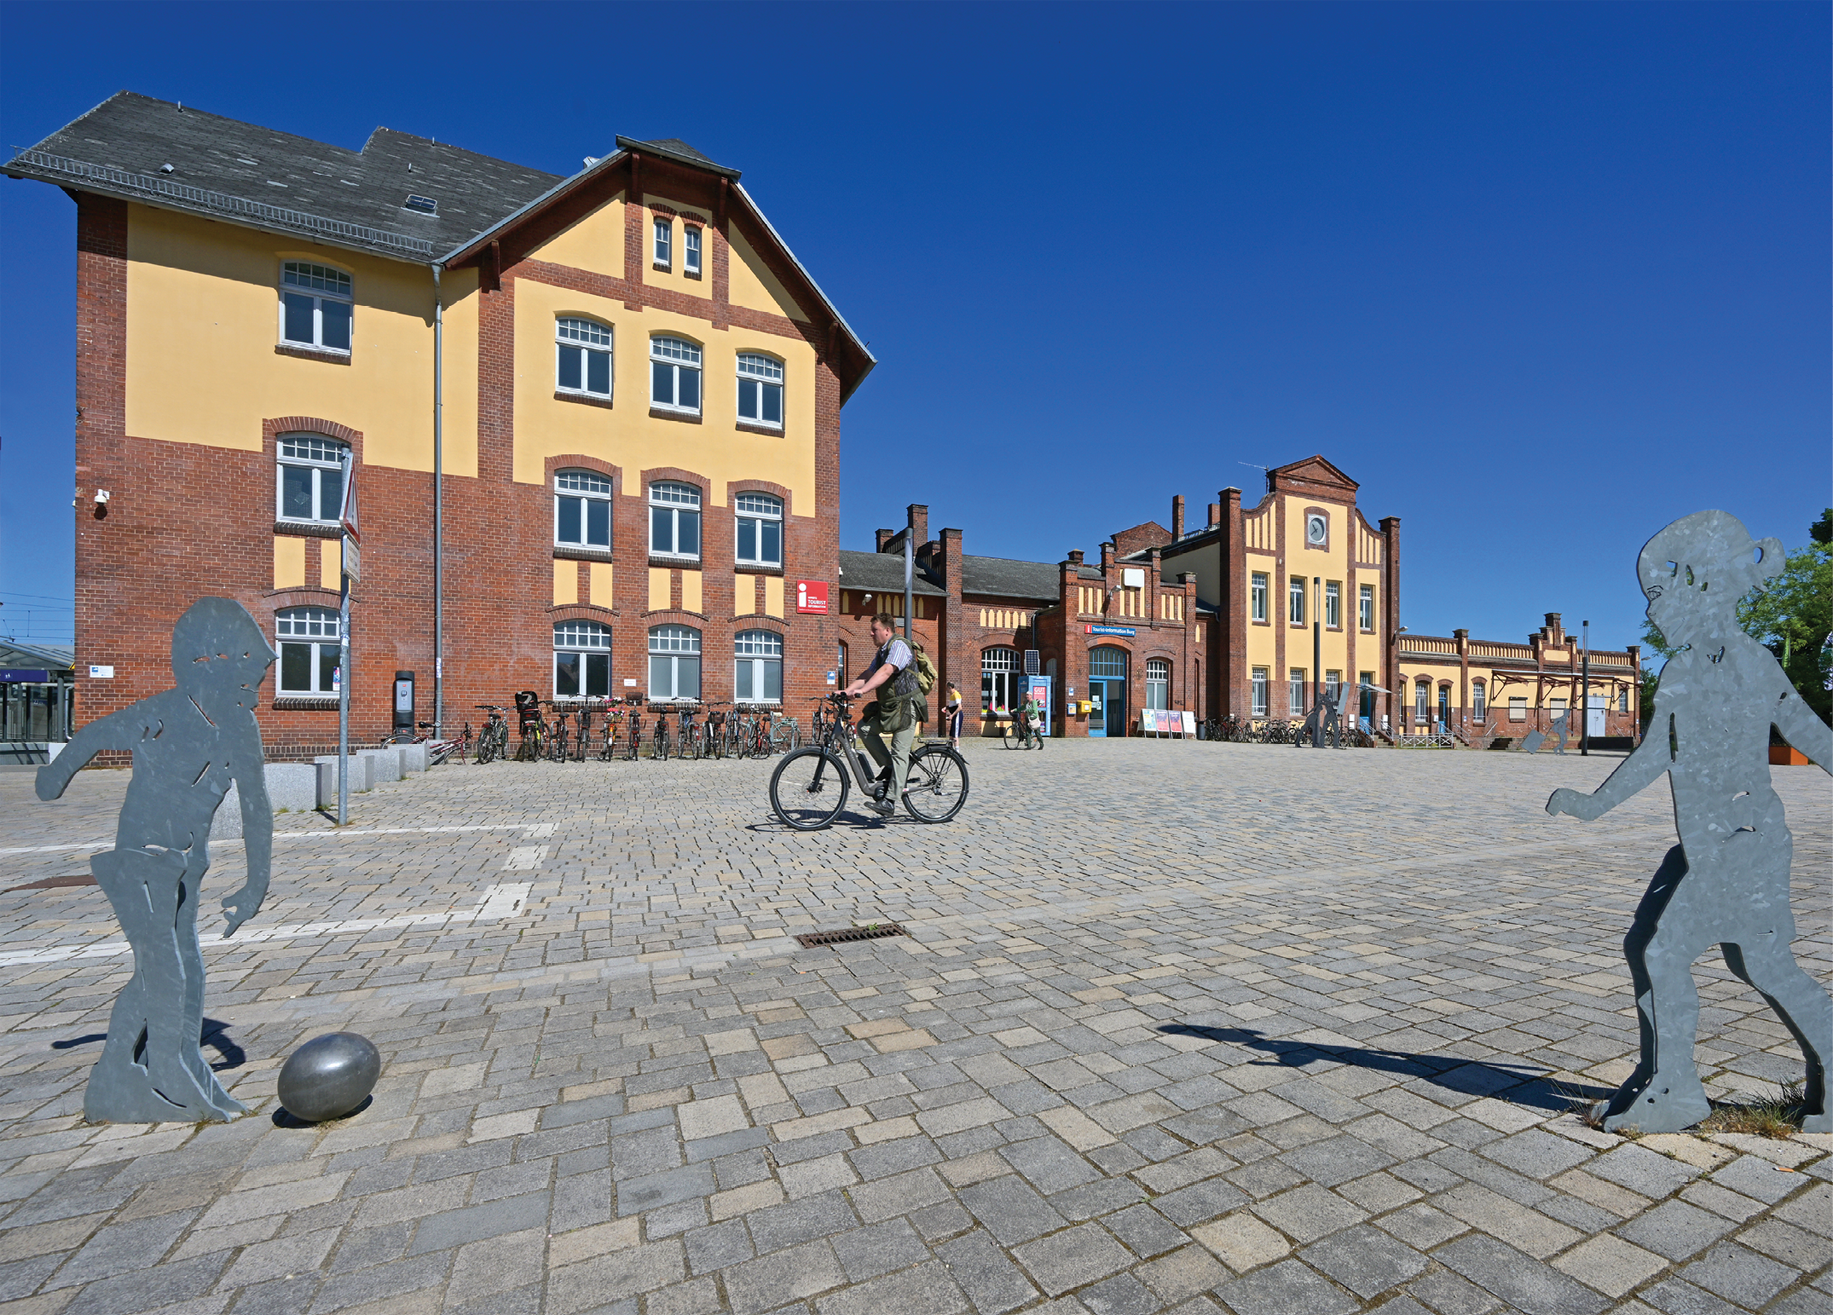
column 811, row 596
column 101, row 673
column 1110, row 630
column 24, row 676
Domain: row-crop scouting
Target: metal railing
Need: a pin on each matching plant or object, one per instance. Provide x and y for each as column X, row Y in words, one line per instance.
column 221, row 203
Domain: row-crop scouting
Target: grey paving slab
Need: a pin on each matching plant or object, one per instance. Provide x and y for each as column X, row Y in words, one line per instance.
column 1178, row 1027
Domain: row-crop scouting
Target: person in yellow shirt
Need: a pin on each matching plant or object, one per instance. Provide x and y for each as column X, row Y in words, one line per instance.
column 951, row 715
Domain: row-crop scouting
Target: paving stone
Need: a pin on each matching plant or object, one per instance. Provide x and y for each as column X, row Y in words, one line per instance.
column 1519, row 1280
column 993, row 1284
column 1740, row 1276
column 1308, row 1213
column 1675, row 1230
column 1287, row 1288
column 1642, row 1170
column 1009, row 1210
column 793, row 1275
column 1242, row 1241
column 1072, row 1258
column 1121, row 1295
column 868, row 1252
column 1609, row 1264
column 1364, row 1260
column 1336, row 1161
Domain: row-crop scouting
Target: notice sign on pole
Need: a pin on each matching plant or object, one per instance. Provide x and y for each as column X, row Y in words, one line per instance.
column 353, row 559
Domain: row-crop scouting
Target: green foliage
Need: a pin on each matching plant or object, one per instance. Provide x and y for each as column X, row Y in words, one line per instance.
column 1793, row 618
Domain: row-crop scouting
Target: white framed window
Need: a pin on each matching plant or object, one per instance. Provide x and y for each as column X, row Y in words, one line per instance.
column 309, row 479
column 757, row 670
column 1366, row 602
column 1295, row 600
column 1158, row 683
column 674, row 520
column 582, row 660
column 1623, row 699
column 1333, row 685
column 1517, row 707
column 582, row 357
column 1333, row 604
column 998, row 681
column 308, row 639
column 758, row 529
column 1422, row 701
column 690, row 249
column 582, row 509
column 1295, row 692
column 1479, row 700
column 674, row 374
column 315, row 306
column 760, row 389
column 1261, row 680
column 665, row 239
column 1556, row 708
column 1258, row 594
column 674, row 663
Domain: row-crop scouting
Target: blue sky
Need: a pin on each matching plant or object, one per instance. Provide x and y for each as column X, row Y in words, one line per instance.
column 1541, row 277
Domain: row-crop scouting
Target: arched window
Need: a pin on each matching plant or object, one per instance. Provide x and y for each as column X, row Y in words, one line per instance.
column 1479, row 700
column 1444, row 707
column 582, row 660
column 310, row 478
column 760, row 389
column 582, row 357
column 315, row 306
column 674, row 663
column 1158, row 683
column 757, row 673
column 674, row 374
column 582, row 509
column 1108, row 662
column 998, row 681
column 758, row 529
column 674, row 519
column 308, row 638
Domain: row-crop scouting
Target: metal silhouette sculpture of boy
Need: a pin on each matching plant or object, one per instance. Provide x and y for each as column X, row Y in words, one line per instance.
column 1727, row 881
column 188, row 744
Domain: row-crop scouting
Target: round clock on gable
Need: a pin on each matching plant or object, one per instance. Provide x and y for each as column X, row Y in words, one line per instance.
column 1317, row 529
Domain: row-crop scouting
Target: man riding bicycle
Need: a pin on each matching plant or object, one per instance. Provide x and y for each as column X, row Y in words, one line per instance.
column 892, row 679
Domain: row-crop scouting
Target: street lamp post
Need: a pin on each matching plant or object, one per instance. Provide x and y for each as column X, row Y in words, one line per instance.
column 1317, row 660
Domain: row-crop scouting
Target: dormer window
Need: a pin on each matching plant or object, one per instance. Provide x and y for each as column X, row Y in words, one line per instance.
column 315, row 306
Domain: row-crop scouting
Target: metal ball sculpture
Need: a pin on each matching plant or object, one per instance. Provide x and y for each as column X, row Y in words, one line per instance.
column 329, row 1076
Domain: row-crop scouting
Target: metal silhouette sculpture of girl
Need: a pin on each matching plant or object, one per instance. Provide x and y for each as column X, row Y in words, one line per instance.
column 1727, row 881
column 188, row 744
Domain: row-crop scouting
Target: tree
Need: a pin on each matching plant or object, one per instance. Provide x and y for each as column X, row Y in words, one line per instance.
column 1793, row 618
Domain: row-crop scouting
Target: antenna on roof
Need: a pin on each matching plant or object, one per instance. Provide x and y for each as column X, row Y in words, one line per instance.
column 1249, row 463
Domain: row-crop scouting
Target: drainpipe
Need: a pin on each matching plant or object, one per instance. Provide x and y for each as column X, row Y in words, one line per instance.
column 909, row 567
column 439, row 601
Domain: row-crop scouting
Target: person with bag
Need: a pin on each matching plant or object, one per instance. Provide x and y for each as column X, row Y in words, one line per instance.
column 893, row 680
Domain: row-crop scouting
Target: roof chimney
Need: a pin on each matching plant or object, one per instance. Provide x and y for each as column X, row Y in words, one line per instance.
column 919, row 517
column 1177, row 517
column 884, row 537
column 1215, row 513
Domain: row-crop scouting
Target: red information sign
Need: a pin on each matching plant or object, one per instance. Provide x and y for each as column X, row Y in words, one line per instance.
column 811, row 596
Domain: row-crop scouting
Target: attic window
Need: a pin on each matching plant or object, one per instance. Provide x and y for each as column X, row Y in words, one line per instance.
column 426, row 205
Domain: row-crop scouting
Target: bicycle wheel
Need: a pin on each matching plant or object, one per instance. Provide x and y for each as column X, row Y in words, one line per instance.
column 658, row 751
column 1008, row 737
column 936, row 787
column 558, row 742
column 808, row 789
column 782, row 737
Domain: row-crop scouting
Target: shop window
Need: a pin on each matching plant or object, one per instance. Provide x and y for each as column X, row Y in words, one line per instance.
column 674, row 374
column 582, row 660
column 582, row 357
column 310, row 478
column 309, row 639
column 582, row 509
column 674, row 520
column 1479, row 700
column 665, row 237
column 315, row 306
column 690, row 250
column 1366, row 603
column 1258, row 595
column 1261, row 681
column 758, row 668
column 1295, row 600
column 759, row 529
column 1295, row 692
column 1158, row 683
column 760, row 389
column 674, row 664
column 1517, row 707
column 998, row 680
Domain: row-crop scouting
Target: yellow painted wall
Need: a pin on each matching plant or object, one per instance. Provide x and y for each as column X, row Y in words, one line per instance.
column 690, row 591
column 458, row 288
column 330, row 565
column 1324, row 566
column 566, row 582
column 289, row 561
column 595, row 243
column 600, row 585
column 660, row 592
column 625, row 433
column 744, row 594
column 203, row 321
column 753, row 285
column 773, row 595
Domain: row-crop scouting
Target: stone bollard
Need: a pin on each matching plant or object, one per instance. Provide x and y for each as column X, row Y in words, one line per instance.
column 290, row 786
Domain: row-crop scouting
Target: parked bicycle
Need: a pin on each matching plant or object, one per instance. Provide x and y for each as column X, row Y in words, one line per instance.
column 809, row 787
column 493, row 740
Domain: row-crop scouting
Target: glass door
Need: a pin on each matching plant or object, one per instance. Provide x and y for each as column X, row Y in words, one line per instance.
column 1097, row 707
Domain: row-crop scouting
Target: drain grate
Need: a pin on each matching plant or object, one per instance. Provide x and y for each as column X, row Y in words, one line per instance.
column 53, row 883
column 809, row 940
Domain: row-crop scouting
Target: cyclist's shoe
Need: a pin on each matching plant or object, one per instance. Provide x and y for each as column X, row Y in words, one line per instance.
column 884, row 807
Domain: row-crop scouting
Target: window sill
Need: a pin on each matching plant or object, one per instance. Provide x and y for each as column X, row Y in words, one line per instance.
column 691, row 274
column 756, row 568
column 669, row 413
column 661, row 266
column 310, row 529
column 299, row 702
column 312, row 353
column 575, row 552
column 584, row 399
column 663, row 559
column 754, row 427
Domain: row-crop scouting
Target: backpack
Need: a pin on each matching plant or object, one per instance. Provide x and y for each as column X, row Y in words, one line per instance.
column 925, row 669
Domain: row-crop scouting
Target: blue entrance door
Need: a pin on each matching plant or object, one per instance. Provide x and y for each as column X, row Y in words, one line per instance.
column 1107, row 691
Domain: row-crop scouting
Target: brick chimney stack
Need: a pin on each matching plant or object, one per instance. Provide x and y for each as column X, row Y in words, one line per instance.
column 1215, row 513
column 1177, row 517
column 919, row 517
column 884, row 537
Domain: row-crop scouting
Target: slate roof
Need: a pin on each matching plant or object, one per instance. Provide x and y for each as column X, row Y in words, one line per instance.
column 883, row 573
column 1006, row 578
column 225, row 168
column 680, row 150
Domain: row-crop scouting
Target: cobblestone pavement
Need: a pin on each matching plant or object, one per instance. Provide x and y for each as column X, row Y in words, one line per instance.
column 1178, row 1027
